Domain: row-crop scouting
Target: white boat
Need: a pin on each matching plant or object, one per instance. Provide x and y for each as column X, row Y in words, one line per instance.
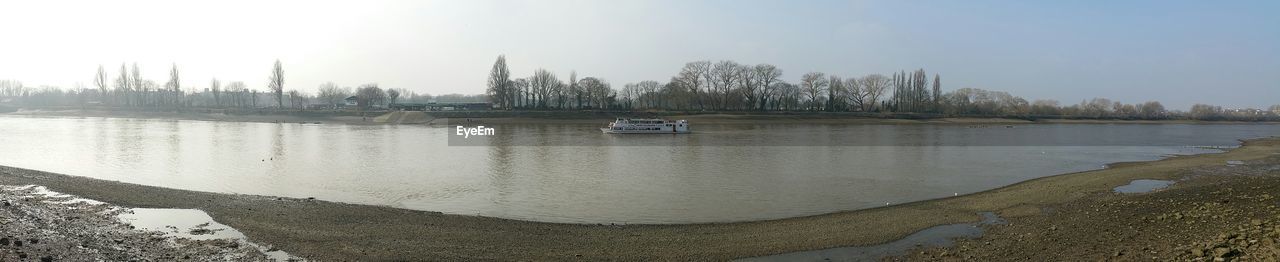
column 646, row 126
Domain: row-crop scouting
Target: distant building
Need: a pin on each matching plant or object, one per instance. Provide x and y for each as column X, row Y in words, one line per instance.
column 351, row 101
column 435, row 106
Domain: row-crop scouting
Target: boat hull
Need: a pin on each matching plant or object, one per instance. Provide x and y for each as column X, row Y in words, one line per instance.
column 612, row 131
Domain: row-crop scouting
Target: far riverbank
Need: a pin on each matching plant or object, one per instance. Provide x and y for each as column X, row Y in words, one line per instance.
column 568, row 117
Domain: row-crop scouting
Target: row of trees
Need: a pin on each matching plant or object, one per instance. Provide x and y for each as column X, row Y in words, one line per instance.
column 730, row 86
column 129, row 89
column 543, row 90
column 722, row 86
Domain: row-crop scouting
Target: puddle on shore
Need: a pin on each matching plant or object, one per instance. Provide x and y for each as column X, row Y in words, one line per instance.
column 188, row 223
column 193, row 224
column 1143, row 186
column 1234, row 162
column 937, row 236
column 185, row 223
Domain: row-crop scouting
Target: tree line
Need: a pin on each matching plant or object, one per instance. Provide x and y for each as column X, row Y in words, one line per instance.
column 731, row 86
column 697, row 86
column 129, row 89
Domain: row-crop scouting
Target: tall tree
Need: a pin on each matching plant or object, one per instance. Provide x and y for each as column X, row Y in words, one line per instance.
column 692, row 76
column 123, row 84
column 136, row 81
column 393, row 94
column 937, row 93
column 174, row 85
column 276, row 83
column 575, row 89
column 499, row 83
column 332, row 94
column 724, row 77
column 369, row 95
column 216, row 87
column 835, row 92
column 519, row 88
column 239, row 93
column 873, row 86
column 768, row 75
column 813, row 84
column 543, row 82
column 100, row 80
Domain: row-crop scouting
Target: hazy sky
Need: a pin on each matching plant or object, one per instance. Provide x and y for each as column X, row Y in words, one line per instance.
column 1178, row 52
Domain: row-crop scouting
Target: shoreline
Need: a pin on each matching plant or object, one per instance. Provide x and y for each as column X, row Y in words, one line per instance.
column 568, row 117
column 50, row 226
column 338, row 231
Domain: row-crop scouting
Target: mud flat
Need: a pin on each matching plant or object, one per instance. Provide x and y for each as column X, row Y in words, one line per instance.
column 317, row 229
column 1222, row 212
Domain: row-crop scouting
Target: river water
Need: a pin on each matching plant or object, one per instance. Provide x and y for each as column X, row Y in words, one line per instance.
column 573, row 173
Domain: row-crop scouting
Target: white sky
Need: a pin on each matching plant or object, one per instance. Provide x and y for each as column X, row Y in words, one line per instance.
column 1175, row 52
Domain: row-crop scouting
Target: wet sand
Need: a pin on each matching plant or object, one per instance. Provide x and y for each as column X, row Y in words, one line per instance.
column 1211, row 213
column 335, row 231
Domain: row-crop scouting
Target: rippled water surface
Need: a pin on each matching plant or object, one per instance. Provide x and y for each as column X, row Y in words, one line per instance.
column 581, row 175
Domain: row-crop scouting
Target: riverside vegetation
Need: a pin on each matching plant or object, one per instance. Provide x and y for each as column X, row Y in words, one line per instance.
column 698, row 87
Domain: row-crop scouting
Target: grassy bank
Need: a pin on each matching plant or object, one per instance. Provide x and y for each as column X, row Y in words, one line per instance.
column 337, row 231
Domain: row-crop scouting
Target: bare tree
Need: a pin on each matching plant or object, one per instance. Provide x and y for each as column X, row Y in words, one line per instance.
column 855, row 97
column 542, row 82
column 575, row 90
column 136, row 82
column 393, row 94
column 276, row 83
column 649, row 96
column 100, row 80
column 519, row 88
column 1155, row 110
column 767, row 75
column 598, row 91
column 724, row 76
column 835, row 93
column 175, row 86
column 122, row 83
column 216, row 87
column 331, row 94
column 239, row 93
column 369, row 95
column 873, row 86
column 500, row 83
column 937, row 93
column 812, row 84
column 691, row 78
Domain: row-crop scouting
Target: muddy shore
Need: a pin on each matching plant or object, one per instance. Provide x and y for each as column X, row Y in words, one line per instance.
column 1210, row 213
column 39, row 226
column 324, row 230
